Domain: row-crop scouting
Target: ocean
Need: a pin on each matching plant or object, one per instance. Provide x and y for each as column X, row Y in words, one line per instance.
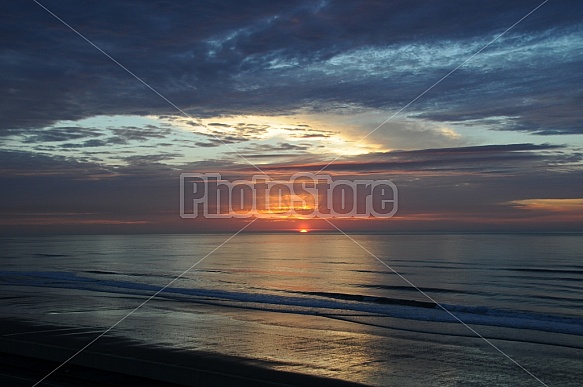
column 395, row 309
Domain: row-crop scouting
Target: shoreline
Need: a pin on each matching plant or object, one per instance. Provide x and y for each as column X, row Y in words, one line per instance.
column 29, row 351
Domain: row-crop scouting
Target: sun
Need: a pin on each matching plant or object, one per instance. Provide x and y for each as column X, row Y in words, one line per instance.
column 303, row 230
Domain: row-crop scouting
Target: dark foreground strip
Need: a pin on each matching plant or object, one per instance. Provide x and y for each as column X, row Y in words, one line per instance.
column 115, row 361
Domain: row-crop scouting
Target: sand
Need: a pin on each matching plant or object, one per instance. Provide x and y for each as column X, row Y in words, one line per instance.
column 29, row 351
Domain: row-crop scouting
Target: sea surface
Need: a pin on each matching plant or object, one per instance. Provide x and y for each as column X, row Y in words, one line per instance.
column 407, row 310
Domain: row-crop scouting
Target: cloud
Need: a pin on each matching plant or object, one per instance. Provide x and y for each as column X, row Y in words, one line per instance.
column 128, row 133
column 489, row 149
column 56, row 134
column 150, row 160
column 551, row 205
column 490, row 193
column 281, row 146
column 485, row 159
column 224, row 58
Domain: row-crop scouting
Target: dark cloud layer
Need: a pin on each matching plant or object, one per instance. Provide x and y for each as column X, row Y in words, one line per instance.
column 214, row 57
column 466, row 160
column 457, row 189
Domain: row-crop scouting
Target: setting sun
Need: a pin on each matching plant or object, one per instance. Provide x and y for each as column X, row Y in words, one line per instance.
column 303, row 230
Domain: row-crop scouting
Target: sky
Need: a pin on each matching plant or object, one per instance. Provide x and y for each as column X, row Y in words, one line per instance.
column 473, row 109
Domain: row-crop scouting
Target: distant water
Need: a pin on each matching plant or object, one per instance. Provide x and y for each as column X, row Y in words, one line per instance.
column 321, row 304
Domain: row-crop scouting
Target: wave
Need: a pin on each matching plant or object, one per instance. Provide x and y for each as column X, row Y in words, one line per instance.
column 371, row 299
column 412, row 289
column 547, row 271
column 309, row 302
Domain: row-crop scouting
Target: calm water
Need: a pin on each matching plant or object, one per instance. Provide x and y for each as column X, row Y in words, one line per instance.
column 321, row 304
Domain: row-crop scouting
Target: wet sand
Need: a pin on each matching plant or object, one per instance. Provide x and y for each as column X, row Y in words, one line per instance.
column 29, row 351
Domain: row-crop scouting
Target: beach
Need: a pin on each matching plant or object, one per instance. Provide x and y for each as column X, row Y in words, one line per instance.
column 298, row 309
column 30, row 351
